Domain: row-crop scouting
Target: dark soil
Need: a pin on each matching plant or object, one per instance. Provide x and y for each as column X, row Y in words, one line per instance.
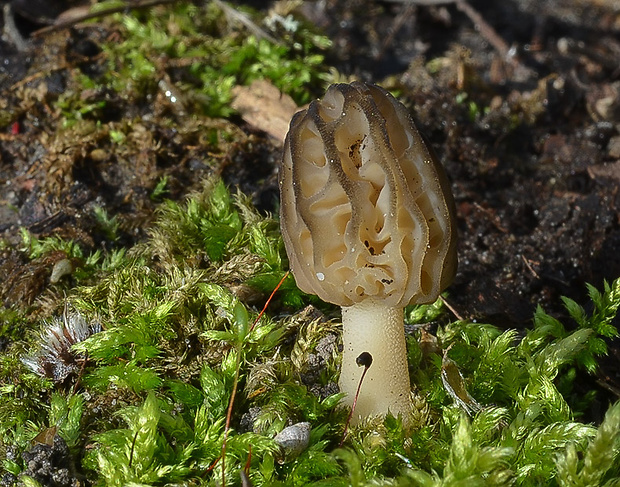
column 538, row 202
column 532, row 150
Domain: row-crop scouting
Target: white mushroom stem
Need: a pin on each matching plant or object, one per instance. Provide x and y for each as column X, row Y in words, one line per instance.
column 372, row 327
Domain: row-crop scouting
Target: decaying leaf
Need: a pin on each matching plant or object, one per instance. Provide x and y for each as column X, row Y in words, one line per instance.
column 263, row 106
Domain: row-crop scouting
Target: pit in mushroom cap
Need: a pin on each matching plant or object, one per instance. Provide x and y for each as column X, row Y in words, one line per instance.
column 367, row 218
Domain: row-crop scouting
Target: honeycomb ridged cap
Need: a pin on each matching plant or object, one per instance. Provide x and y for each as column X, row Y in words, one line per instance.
column 366, row 210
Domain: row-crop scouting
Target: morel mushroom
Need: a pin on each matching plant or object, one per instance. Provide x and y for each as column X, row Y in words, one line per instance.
column 367, row 218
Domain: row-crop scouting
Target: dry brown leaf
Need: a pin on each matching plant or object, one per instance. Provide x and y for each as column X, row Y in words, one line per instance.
column 263, row 106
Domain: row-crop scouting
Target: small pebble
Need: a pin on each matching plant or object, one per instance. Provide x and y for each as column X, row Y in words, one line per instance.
column 294, row 439
column 61, row 268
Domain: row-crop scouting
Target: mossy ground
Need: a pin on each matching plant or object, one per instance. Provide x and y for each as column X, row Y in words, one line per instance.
column 121, row 218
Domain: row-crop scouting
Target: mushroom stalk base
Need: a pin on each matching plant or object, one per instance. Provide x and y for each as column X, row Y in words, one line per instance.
column 379, row 330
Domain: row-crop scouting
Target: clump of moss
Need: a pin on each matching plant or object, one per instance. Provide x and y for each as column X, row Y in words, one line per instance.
column 183, row 365
column 197, row 54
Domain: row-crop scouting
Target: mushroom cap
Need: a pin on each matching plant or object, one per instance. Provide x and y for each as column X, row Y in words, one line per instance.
column 366, row 210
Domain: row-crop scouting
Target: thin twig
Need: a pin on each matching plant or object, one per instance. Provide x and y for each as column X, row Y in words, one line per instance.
column 451, row 308
column 494, row 219
column 398, row 23
column 485, row 29
column 101, row 13
column 229, row 11
column 603, row 382
column 246, row 21
column 529, row 266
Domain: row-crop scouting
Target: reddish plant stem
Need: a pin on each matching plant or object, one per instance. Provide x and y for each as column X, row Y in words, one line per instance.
column 236, row 381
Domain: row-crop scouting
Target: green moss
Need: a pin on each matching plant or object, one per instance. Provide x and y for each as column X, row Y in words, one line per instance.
column 37, row 247
column 195, row 44
column 178, row 344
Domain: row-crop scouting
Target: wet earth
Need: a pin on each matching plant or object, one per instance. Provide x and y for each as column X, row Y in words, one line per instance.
column 520, row 99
